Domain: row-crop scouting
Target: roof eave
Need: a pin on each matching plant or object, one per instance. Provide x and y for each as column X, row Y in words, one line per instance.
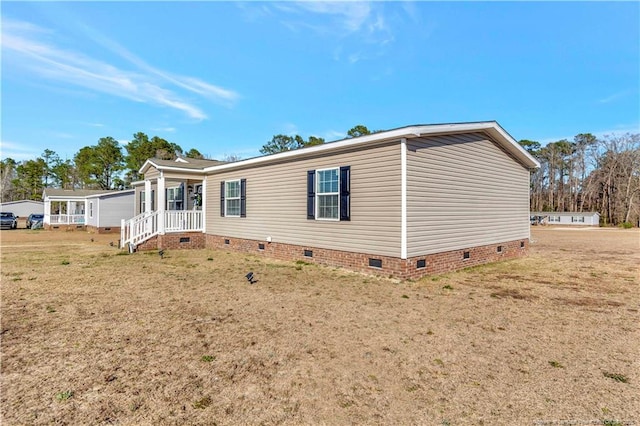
column 491, row 127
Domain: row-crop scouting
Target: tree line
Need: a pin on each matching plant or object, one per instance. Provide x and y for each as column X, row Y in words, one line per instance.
column 106, row 166
column 586, row 174
column 100, row 166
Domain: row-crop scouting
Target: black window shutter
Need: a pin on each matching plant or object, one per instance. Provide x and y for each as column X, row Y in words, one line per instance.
column 222, row 198
column 345, row 193
column 311, row 194
column 243, row 198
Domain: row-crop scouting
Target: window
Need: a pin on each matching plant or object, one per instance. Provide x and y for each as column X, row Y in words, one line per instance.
column 143, row 206
column 175, row 199
column 554, row 219
column 575, row 219
column 90, row 208
column 328, row 194
column 143, row 201
column 233, row 198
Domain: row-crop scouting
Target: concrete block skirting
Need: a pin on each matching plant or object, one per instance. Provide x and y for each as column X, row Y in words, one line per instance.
column 413, row 268
column 103, row 229
column 65, row 227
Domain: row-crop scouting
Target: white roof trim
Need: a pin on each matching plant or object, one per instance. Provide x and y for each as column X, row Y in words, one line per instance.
column 123, row 191
column 491, row 127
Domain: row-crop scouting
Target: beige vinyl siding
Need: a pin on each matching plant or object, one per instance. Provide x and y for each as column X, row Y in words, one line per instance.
column 463, row 191
column 152, row 173
column 276, row 203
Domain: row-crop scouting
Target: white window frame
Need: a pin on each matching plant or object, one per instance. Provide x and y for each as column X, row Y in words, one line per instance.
column 577, row 219
column 554, row 219
column 143, row 202
column 172, row 199
column 227, row 198
column 91, row 209
column 332, row 194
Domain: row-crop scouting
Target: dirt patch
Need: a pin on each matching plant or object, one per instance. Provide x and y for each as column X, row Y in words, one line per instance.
column 92, row 335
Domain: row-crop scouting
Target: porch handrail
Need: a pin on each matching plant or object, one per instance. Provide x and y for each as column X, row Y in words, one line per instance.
column 66, row 219
column 146, row 225
column 139, row 229
column 183, row 220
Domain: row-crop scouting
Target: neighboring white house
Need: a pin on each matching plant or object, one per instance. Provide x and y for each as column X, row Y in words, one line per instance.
column 94, row 210
column 568, row 218
column 23, row 208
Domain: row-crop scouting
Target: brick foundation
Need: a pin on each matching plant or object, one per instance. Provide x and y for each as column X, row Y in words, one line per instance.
column 174, row 241
column 390, row 266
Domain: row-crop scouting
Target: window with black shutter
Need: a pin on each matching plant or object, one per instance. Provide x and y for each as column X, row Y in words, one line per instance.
column 243, row 198
column 222, row 198
column 311, row 194
column 329, row 194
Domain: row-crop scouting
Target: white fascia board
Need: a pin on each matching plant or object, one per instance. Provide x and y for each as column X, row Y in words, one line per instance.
column 143, row 169
column 124, row 191
column 392, row 135
column 515, row 148
column 146, row 165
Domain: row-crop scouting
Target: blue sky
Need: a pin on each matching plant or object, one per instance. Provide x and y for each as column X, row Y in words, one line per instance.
column 224, row 77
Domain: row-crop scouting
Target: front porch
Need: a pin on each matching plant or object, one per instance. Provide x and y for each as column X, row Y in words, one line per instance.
column 69, row 213
column 147, row 225
column 167, row 208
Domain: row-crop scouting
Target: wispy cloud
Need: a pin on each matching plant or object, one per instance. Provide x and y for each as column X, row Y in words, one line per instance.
column 334, row 135
column 17, row 151
column 360, row 28
column 30, row 47
column 164, row 129
column 615, row 96
column 617, row 130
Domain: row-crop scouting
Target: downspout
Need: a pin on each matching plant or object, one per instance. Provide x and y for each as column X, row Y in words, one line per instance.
column 161, row 207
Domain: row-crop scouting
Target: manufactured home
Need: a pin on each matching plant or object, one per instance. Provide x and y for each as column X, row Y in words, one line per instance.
column 94, row 210
column 567, row 218
column 406, row 202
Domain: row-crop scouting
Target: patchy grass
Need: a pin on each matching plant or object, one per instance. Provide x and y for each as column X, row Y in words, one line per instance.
column 136, row 339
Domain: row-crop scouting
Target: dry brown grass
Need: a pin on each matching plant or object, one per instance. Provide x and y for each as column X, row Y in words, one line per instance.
column 90, row 336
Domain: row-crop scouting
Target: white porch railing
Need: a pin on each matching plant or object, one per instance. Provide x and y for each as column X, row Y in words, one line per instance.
column 183, row 220
column 146, row 225
column 66, row 219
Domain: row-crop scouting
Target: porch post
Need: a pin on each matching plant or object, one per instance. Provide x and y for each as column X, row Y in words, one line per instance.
column 161, row 204
column 47, row 212
column 203, row 204
column 147, row 196
column 68, row 210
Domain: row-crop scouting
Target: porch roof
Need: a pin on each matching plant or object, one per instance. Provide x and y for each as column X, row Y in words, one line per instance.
column 76, row 194
column 184, row 164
